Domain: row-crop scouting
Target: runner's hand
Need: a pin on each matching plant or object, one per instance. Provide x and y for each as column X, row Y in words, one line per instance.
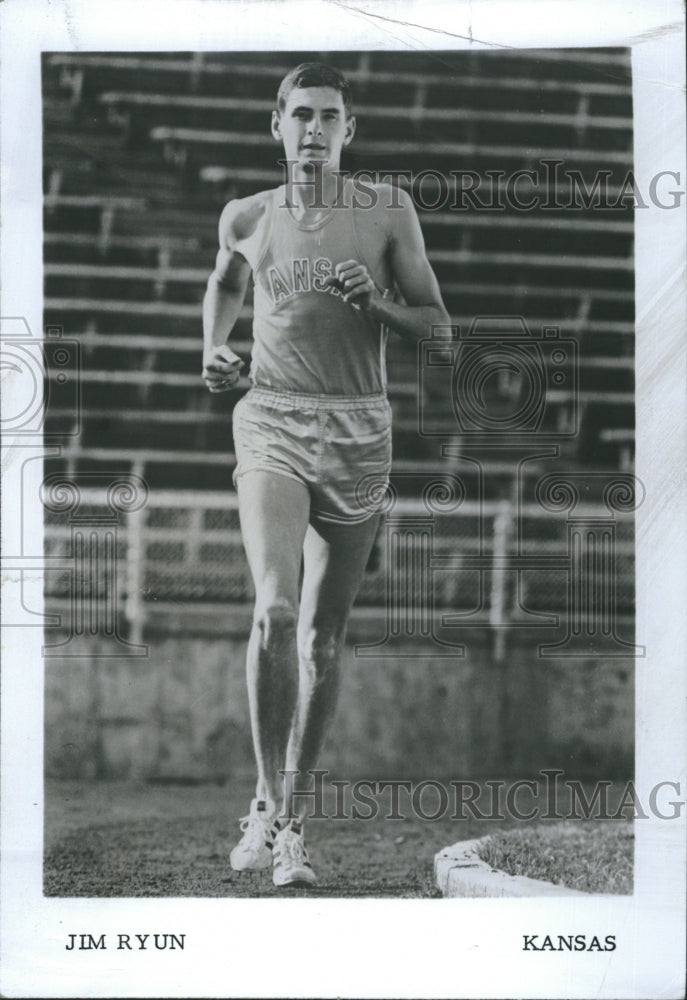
column 221, row 368
column 353, row 279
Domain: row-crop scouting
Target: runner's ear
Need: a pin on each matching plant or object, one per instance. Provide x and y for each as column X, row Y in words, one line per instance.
column 350, row 129
column 276, row 125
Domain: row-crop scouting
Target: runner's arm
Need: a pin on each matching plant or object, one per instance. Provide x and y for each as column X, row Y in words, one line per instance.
column 423, row 307
column 224, row 295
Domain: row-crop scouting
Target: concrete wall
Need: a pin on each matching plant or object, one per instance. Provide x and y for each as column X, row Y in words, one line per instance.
column 181, row 713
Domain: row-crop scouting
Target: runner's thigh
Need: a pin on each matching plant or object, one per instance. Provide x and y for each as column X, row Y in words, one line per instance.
column 335, row 557
column 274, row 512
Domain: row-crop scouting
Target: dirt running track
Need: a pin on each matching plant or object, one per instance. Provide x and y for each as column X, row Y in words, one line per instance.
column 138, row 839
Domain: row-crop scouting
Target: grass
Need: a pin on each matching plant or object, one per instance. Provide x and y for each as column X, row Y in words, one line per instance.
column 592, row 856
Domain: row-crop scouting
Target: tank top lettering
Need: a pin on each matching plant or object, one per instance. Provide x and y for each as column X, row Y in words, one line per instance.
column 305, row 337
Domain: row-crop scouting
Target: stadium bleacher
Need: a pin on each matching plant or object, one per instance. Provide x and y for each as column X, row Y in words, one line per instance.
column 141, row 151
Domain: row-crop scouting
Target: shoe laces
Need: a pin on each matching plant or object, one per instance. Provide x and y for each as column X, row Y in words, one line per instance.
column 291, row 847
column 254, row 830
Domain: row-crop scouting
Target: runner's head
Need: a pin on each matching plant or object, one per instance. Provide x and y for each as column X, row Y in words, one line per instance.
column 313, row 116
column 314, row 75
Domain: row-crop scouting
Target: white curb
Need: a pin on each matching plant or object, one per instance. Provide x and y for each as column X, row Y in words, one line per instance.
column 460, row 872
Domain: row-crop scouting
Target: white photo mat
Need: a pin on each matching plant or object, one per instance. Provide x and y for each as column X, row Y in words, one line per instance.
column 369, row 948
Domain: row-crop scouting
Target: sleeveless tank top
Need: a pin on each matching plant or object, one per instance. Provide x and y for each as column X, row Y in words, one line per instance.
column 306, row 339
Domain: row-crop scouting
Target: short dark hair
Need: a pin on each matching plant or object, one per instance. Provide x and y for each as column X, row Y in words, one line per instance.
column 315, row 75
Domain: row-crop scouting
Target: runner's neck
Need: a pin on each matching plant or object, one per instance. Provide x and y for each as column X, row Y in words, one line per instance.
column 311, row 199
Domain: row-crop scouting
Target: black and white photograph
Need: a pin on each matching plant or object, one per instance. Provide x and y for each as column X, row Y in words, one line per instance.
column 343, row 500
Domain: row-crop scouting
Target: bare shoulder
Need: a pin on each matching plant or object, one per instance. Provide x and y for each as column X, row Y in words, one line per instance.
column 393, row 196
column 398, row 207
column 386, row 208
column 241, row 217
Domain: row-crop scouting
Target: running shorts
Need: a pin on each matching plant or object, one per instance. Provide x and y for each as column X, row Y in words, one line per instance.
column 339, row 447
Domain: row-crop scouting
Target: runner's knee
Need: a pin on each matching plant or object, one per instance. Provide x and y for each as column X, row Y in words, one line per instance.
column 319, row 650
column 276, row 620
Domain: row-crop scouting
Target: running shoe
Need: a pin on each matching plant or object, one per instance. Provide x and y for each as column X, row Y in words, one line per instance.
column 291, row 864
column 254, row 849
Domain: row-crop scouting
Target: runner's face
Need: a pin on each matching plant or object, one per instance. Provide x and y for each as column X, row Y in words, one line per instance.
column 313, row 126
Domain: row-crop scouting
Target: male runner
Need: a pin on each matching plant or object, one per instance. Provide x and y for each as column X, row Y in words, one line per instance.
column 325, row 256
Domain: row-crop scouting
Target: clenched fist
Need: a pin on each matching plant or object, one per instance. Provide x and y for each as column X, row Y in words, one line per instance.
column 221, row 368
column 353, row 279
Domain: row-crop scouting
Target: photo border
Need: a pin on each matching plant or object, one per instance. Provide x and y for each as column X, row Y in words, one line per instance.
column 403, row 948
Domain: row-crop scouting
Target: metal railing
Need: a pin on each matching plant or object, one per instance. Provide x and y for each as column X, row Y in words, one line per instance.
column 121, row 558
